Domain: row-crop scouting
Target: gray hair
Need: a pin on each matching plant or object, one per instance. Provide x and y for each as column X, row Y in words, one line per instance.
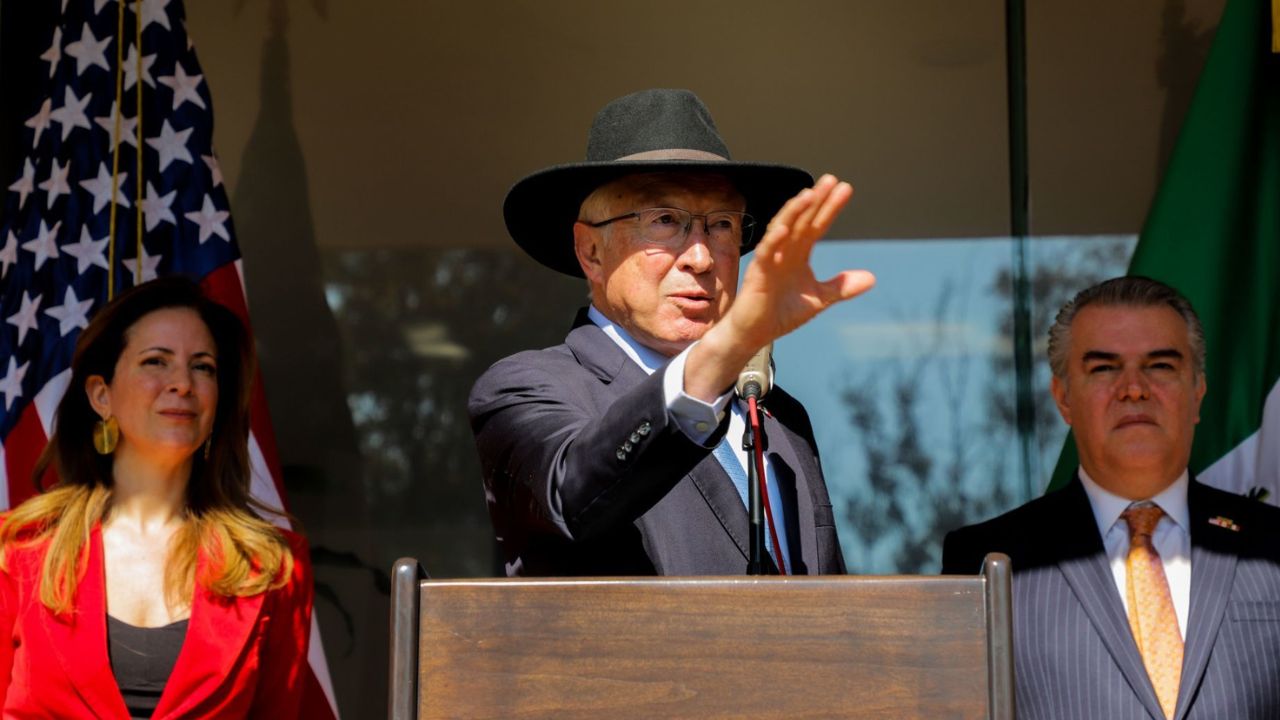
column 1128, row 291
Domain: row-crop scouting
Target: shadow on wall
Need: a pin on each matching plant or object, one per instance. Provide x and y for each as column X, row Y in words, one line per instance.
column 300, row 359
column 368, row 357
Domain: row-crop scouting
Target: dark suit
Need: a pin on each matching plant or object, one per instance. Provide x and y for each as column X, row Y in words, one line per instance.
column 1074, row 655
column 585, row 474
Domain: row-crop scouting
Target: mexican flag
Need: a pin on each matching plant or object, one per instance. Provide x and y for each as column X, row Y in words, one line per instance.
column 1214, row 234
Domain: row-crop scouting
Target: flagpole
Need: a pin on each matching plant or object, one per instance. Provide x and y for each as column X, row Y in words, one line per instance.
column 1016, row 77
column 115, row 154
column 137, row 182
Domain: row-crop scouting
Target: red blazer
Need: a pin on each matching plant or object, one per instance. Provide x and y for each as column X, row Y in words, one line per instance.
column 242, row 657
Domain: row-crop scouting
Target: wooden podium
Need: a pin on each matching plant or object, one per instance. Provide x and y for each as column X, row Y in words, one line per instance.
column 702, row 647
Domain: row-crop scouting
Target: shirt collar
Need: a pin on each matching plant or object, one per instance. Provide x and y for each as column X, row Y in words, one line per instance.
column 1107, row 507
column 647, row 359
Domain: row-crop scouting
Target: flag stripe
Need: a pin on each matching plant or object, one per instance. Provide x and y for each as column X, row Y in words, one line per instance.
column 22, row 448
column 56, row 247
column 1256, row 461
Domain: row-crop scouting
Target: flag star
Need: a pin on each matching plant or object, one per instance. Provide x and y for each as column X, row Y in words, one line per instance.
column 45, row 244
column 211, row 221
column 40, row 121
column 57, row 183
column 72, row 313
column 89, row 50
column 101, row 188
column 156, row 207
column 153, row 11
column 150, row 263
column 131, row 68
column 184, row 86
column 215, row 170
column 25, row 184
column 54, row 53
column 171, row 145
column 71, row 114
column 25, row 318
column 87, row 251
column 128, row 127
column 9, row 253
column 11, row 383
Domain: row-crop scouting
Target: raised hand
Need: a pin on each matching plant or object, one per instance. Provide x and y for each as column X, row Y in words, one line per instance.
column 779, row 291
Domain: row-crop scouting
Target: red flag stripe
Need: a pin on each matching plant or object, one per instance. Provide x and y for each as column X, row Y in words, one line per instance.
column 22, row 448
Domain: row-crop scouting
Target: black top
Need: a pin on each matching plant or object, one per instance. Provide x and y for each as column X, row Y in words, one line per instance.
column 142, row 660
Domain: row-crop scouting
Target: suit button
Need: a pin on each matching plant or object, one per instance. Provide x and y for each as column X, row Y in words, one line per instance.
column 644, row 428
column 635, row 438
column 621, row 454
column 626, row 447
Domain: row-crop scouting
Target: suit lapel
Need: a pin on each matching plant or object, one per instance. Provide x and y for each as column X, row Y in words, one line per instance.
column 80, row 640
column 1083, row 561
column 598, row 353
column 794, row 453
column 716, row 487
column 1213, row 567
column 218, row 633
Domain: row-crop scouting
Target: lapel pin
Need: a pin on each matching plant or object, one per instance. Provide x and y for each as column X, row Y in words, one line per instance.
column 1224, row 522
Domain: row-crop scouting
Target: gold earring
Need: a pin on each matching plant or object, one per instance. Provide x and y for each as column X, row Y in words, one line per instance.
column 208, row 442
column 106, row 435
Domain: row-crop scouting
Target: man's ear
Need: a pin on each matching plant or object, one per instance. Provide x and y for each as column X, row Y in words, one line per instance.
column 1058, row 387
column 588, row 246
column 99, row 394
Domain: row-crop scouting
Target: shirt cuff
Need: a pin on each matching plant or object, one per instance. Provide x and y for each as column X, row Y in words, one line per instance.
column 695, row 418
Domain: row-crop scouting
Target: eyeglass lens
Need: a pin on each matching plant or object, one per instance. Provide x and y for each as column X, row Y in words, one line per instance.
column 669, row 226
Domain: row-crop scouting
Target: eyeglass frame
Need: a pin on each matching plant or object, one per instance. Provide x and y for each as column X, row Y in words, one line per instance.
column 748, row 224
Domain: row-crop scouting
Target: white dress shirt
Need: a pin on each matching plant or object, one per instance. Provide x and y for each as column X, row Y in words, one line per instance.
column 1172, row 539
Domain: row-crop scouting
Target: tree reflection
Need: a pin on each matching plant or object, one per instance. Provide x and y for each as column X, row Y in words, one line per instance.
column 935, row 459
column 419, row 326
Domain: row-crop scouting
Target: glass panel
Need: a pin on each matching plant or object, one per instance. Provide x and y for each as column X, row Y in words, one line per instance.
column 910, row 388
column 418, row 327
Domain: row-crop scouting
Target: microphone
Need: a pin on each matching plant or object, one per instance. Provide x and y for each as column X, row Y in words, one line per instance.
column 756, row 378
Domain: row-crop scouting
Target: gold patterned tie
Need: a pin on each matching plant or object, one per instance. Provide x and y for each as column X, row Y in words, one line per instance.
column 1151, row 615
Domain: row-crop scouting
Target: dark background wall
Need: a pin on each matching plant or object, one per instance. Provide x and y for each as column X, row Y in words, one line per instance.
column 367, row 147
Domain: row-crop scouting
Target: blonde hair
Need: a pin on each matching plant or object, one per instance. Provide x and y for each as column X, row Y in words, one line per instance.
column 246, row 554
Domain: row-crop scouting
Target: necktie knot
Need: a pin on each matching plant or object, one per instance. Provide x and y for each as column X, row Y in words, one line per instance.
column 1142, row 520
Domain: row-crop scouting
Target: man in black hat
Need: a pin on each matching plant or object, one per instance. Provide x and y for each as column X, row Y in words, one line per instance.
column 619, row 452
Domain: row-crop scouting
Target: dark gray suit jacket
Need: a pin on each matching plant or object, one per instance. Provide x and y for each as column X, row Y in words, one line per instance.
column 584, row 473
column 1074, row 655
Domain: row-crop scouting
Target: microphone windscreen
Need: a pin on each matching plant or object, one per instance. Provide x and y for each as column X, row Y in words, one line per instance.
column 758, row 371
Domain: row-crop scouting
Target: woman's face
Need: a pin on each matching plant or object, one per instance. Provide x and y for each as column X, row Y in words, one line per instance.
column 165, row 390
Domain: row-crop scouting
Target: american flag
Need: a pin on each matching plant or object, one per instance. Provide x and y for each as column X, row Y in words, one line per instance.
column 57, row 243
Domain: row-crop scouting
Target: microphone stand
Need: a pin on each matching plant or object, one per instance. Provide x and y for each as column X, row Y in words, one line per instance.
column 755, row 556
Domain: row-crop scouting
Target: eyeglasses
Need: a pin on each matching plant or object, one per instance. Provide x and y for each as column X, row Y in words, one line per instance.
column 670, row 227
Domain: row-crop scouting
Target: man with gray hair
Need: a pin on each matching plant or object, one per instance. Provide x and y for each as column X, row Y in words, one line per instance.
column 1138, row 591
column 619, row 451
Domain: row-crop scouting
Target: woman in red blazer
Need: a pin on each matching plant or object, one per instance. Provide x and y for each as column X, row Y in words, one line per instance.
column 145, row 582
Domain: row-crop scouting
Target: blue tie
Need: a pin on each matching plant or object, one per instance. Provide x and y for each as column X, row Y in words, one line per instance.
column 729, row 461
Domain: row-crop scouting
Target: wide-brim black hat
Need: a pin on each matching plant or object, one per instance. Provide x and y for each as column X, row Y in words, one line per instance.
column 648, row 131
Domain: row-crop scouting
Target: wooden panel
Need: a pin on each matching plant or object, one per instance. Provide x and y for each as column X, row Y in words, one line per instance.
column 705, row 648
